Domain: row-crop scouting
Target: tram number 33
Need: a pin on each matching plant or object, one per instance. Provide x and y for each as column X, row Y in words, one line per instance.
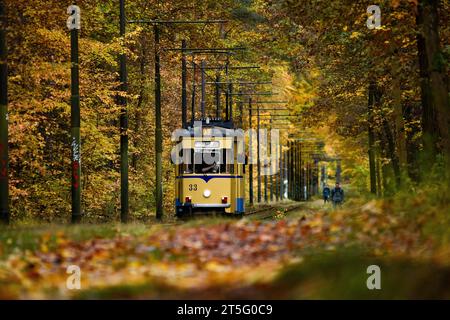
column 193, row 187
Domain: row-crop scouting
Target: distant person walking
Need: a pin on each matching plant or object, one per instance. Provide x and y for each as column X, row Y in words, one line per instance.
column 337, row 195
column 326, row 194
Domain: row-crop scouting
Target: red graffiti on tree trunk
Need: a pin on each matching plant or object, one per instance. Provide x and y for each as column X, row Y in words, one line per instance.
column 3, row 163
column 75, row 176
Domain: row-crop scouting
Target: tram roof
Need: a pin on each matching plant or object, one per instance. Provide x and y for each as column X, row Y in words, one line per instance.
column 212, row 123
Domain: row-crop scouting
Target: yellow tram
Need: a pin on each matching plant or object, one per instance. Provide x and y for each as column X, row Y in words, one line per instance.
column 210, row 178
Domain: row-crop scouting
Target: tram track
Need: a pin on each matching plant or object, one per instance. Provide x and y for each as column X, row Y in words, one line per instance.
column 263, row 213
column 270, row 212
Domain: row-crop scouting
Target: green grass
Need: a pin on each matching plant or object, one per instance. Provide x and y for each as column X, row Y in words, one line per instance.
column 343, row 275
column 126, row 291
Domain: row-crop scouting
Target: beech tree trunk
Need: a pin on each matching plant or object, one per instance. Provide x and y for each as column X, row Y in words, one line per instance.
column 435, row 101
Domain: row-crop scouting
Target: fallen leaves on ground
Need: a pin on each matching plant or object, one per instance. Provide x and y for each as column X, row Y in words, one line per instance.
column 233, row 254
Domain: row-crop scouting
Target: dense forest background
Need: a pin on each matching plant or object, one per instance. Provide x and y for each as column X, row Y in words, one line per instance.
column 379, row 98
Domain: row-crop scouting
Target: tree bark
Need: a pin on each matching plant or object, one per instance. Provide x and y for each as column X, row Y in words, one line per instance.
column 410, row 115
column 372, row 168
column 390, row 143
column 429, row 131
column 386, row 172
column 378, row 169
column 391, row 152
column 435, row 99
column 398, row 116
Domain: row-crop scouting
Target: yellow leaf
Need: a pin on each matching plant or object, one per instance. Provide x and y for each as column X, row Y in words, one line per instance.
column 44, row 248
column 354, row 35
column 214, row 266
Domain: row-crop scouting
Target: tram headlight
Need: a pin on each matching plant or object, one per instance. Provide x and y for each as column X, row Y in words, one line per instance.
column 206, row 193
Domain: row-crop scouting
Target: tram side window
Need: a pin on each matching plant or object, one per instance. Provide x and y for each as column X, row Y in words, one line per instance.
column 187, row 166
column 227, row 167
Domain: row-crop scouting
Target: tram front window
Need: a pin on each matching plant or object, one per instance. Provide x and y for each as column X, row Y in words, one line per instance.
column 212, row 168
column 216, row 162
column 202, row 161
column 202, row 167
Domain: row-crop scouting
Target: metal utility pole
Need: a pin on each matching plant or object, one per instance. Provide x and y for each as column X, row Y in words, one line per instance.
column 227, row 91
column 183, row 84
column 271, row 166
column 289, row 169
column 316, row 176
column 322, row 176
column 299, row 151
column 194, row 88
column 299, row 170
column 277, row 174
column 217, row 92
column 158, row 127
column 280, row 177
column 4, row 160
column 286, row 173
column 241, row 113
column 265, row 177
column 230, row 100
column 203, row 97
column 73, row 23
column 304, row 165
column 258, row 159
column 294, row 180
column 123, row 124
column 250, row 167
column 294, row 171
column 272, row 183
column 283, row 174
column 300, row 185
column 338, row 171
column 303, row 174
column 308, row 181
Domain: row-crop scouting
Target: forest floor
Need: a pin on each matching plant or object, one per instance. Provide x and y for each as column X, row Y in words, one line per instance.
column 311, row 252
